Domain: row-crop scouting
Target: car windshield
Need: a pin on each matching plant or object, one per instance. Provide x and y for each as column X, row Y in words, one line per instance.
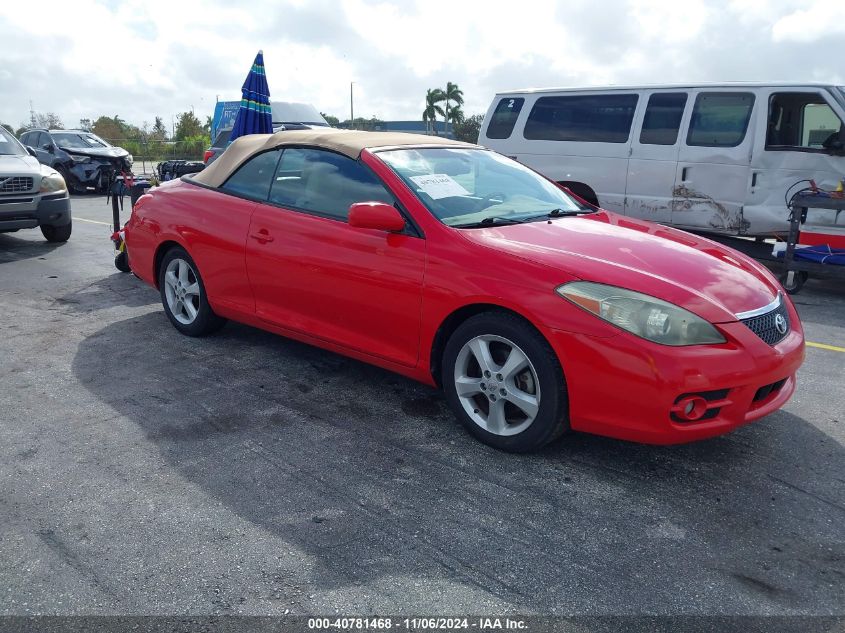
column 9, row 145
column 78, row 140
column 467, row 188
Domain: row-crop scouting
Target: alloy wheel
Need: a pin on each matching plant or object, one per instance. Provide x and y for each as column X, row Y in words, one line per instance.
column 182, row 291
column 497, row 385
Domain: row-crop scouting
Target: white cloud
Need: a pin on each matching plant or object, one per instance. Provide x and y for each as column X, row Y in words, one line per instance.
column 142, row 59
column 822, row 19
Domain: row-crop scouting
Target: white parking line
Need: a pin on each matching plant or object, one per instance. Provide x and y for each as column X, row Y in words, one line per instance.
column 91, row 221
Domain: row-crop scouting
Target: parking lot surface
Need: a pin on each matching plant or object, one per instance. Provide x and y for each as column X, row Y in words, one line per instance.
column 147, row 472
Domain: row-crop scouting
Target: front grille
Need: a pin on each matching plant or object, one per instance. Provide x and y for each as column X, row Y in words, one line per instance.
column 766, row 325
column 15, row 184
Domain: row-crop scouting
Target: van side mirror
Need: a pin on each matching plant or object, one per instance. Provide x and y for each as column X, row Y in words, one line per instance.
column 31, row 151
column 379, row 216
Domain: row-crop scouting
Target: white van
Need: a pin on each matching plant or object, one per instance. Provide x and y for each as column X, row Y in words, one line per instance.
column 716, row 158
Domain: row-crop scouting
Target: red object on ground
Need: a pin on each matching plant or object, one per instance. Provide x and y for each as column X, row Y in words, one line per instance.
column 382, row 297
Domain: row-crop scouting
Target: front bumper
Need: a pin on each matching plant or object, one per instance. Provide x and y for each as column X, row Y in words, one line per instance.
column 624, row 387
column 31, row 210
column 94, row 174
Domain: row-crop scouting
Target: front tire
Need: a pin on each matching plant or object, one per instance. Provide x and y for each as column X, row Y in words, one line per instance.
column 57, row 233
column 504, row 383
column 183, row 295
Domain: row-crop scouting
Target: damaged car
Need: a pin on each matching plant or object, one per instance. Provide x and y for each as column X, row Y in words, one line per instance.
column 82, row 158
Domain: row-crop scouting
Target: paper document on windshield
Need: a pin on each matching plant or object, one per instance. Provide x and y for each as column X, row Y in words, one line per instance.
column 439, row 186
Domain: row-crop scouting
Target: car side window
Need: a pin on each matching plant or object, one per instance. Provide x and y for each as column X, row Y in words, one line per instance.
column 253, row 178
column 324, row 183
column 720, row 119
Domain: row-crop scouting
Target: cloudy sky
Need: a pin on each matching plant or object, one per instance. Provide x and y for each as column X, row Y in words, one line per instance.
column 141, row 59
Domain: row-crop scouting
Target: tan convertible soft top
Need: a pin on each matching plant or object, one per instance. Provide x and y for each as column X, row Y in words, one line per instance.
column 349, row 142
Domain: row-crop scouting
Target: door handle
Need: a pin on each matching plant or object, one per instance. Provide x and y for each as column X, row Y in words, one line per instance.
column 262, row 236
column 684, row 174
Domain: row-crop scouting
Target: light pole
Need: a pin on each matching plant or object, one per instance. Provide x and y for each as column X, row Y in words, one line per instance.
column 351, row 108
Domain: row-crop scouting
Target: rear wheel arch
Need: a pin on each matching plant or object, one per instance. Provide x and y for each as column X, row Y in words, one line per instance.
column 161, row 251
column 451, row 323
column 582, row 190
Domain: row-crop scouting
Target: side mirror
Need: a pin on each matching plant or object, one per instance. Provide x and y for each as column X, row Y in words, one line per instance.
column 376, row 215
column 31, row 151
column 48, row 147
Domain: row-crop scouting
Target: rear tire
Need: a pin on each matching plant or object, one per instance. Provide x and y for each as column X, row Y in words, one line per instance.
column 504, row 383
column 57, row 233
column 183, row 295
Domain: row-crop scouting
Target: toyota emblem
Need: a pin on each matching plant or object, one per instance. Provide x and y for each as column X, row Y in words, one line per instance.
column 780, row 324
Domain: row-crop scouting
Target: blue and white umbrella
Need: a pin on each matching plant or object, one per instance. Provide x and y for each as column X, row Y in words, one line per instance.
column 254, row 115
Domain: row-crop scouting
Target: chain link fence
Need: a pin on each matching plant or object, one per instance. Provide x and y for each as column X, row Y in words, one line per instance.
column 149, row 152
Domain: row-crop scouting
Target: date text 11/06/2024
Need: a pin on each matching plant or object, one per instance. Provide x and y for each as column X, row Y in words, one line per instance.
column 417, row 624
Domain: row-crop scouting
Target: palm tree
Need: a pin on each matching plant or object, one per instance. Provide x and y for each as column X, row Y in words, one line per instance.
column 456, row 115
column 452, row 93
column 429, row 115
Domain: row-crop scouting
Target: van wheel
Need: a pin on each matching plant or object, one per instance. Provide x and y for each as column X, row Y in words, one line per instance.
column 504, row 383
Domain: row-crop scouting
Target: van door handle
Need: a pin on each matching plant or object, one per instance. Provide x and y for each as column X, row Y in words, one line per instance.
column 684, row 174
column 262, row 236
column 754, row 179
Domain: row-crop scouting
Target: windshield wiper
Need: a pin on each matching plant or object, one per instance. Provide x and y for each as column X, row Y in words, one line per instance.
column 559, row 213
column 488, row 221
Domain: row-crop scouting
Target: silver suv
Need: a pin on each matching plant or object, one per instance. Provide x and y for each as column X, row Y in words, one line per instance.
column 31, row 194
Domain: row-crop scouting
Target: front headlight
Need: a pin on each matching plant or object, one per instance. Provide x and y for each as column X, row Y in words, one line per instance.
column 51, row 182
column 76, row 158
column 645, row 316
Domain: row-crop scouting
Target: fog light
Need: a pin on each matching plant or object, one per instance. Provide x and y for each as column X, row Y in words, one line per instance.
column 691, row 408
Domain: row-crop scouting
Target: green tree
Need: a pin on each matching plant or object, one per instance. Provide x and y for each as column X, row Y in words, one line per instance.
column 187, row 126
column 331, row 120
column 8, row 127
column 433, row 97
column 159, row 131
column 451, row 94
column 468, row 129
column 113, row 129
column 85, row 124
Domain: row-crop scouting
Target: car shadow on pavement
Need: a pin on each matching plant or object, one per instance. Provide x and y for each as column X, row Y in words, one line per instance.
column 368, row 475
column 15, row 249
column 117, row 289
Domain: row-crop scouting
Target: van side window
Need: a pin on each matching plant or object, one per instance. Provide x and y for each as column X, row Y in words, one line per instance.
column 583, row 118
column 504, row 117
column 800, row 120
column 663, row 118
column 720, row 119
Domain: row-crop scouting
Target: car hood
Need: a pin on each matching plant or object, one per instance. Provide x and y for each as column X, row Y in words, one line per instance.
column 19, row 165
column 711, row 280
column 97, row 152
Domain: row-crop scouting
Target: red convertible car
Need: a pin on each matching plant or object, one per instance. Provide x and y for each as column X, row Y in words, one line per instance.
column 453, row 265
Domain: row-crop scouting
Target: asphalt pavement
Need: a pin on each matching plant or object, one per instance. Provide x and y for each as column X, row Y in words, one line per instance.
column 146, row 472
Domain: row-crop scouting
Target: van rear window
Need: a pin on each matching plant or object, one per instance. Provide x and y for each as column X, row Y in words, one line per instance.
column 504, row 117
column 584, row 118
column 720, row 119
